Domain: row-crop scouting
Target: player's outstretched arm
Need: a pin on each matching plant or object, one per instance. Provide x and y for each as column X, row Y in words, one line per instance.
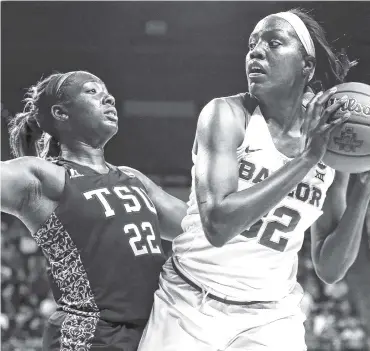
column 170, row 209
column 18, row 183
column 225, row 212
column 336, row 235
column 29, row 187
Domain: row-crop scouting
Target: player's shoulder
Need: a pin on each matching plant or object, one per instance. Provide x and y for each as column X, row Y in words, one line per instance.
column 241, row 102
column 36, row 178
column 25, row 161
column 32, row 165
column 134, row 173
column 130, row 172
column 227, row 115
column 239, row 107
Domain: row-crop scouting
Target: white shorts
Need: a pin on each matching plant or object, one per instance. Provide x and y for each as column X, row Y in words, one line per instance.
column 185, row 319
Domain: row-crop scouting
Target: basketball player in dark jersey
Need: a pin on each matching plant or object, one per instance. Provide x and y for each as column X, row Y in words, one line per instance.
column 98, row 225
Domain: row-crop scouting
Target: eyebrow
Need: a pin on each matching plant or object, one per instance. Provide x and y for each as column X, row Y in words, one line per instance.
column 96, row 82
column 93, row 81
column 274, row 31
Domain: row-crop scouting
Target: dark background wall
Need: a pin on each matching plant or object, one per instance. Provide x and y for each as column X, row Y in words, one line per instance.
column 187, row 52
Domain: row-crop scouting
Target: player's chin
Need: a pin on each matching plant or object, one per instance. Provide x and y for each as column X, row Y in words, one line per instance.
column 264, row 89
column 110, row 124
column 109, row 128
column 114, row 130
column 256, row 89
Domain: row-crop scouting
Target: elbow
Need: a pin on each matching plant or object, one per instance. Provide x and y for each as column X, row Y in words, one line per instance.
column 329, row 279
column 214, row 227
column 214, row 239
column 328, row 276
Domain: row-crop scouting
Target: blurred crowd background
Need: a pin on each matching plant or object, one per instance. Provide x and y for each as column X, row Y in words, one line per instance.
column 333, row 319
column 162, row 61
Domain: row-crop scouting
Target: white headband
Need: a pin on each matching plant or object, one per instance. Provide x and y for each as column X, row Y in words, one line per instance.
column 302, row 33
column 64, row 77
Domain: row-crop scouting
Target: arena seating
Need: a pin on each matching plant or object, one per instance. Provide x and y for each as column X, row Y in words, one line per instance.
column 26, row 302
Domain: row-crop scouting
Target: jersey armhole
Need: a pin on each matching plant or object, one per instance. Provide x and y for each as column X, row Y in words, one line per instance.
column 250, row 104
column 131, row 175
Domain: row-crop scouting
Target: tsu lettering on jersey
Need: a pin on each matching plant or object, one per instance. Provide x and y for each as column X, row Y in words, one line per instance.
column 103, row 246
column 126, row 194
column 133, row 198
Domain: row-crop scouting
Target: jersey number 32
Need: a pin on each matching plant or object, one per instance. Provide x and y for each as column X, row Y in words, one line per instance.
column 281, row 224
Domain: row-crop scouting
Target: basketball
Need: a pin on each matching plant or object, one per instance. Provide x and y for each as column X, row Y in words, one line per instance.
column 349, row 145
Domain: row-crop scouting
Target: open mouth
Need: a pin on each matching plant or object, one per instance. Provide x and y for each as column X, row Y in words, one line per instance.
column 255, row 69
column 111, row 115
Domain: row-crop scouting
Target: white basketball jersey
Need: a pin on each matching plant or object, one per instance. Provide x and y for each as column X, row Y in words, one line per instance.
column 261, row 263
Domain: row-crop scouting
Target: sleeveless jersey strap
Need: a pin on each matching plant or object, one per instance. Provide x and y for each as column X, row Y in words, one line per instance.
column 129, row 174
column 249, row 104
column 72, row 169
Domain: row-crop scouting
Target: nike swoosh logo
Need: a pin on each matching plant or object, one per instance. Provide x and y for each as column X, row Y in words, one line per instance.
column 248, row 150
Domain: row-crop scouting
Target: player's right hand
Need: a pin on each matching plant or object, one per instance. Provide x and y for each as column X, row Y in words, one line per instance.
column 318, row 123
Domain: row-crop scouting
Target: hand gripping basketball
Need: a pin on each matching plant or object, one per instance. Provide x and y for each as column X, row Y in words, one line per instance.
column 349, row 145
column 318, row 122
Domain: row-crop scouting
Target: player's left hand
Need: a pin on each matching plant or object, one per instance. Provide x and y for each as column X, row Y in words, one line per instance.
column 364, row 179
column 318, row 123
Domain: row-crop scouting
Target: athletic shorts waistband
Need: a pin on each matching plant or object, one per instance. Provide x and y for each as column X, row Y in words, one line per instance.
column 212, row 296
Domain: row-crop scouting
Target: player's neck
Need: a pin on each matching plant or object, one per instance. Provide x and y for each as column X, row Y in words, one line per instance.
column 85, row 155
column 285, row 113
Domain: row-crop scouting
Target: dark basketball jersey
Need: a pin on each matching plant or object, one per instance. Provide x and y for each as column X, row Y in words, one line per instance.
column 103, row 248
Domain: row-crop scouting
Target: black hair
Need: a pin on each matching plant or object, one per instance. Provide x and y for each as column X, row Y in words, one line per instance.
column 31, row 131
column 331, row 68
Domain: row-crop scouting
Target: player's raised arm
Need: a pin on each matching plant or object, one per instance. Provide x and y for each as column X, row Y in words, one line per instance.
column 336, row 235
column 26, row 183
column 170, row 209
column 225, row 212
column 19, row 184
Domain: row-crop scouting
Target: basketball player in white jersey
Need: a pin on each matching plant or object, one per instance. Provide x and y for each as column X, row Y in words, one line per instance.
column 258, row 185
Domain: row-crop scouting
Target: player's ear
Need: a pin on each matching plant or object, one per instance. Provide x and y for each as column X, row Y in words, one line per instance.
column 59, row 112
column 309, row 65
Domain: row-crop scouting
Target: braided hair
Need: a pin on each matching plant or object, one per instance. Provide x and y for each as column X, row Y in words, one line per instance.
column 31, row 131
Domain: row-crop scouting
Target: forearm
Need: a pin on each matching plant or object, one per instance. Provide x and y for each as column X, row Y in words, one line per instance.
column 170, row 217
column 170, row 209
column 239, row 210
column 338, row 251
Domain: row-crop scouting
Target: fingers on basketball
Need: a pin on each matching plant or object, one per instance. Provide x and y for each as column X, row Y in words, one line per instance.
column 349, row 147
column 338, row 121
column 329, row 113
column 313, row 107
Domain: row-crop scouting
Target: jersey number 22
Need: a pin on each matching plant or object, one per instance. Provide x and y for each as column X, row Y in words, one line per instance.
column 145, row 227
